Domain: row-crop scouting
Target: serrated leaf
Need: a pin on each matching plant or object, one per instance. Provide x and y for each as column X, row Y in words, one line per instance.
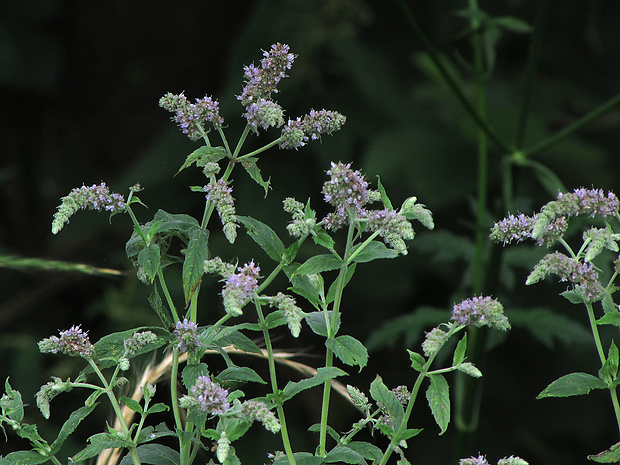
column 156, row 304
column 24, row 457
column 240, row 374
column 70, row 425
column 149, row 258
column 264, row 236
column 98, row 443
column 157, row 408
column 459, row 352
column 202, row 155
column 573, row 384
column 301, row 458
column 384, row 197
column 190, row 374
column 366, row 450
column 13, row 406
column 343, row 454
column 132, row 404
column 610, row 368
column 380, row 393
column 609, row 319
column 372, row 251
column 110, row 348
column 319, row 264
column 317, row 323
column 323, row 374
column 249, row 164
column 304, row 287
column 611, row 455
column 195, row 255
column 323, row 239
column 349, row 350
column 154, row 454
column 331, row 431
column 242, row 342
column 417, row 360
column 438, row 397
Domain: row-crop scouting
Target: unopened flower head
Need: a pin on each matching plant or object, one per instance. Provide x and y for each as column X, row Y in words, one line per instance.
column 480, row 460
column 217, row 266
column 261, row 82
column 186, row 333
column 292, row 312
column 192, row 117
column 392, row 226
column 95, row 197
column 209, row 397
column 49, row 391
column 220, row 195
column 512, row 460
column 582, row 275
column 481, row 311
column 138, row 341
column 358, row 398
column 265, row 114
column 72, row 342
column 239, row 287
column 300, row 226
column 293, row 135
column 255, row 410
column 434, row 341
column 347, row 191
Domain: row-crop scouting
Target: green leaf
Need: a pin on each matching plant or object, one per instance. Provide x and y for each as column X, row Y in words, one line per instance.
column 349, row 350
column 157, row 408
column 512, row 24
column 373, row 251
column 343, row 454
column 318, row 324
column 70, row 425
column 240, row 374
column 611, row 455
column 156, row 304
column 470, row 369
column 610, row 368
column 323, row 374
column 242, row 342
column 410, row 433
column 366, row 450
column 319, row 264
column 250, row 166
column 110, row 348
column 132, row 404
column 438, row 397
column 459, row 352
column 380, row 393
column 572, row 297
column 196, row 253
column 264, row 236
column 331, row 431
column 29, row 432
column 149, row 259
column 98, row 443
column 384, row 197
column 417, row 211
column 190, row 374
column 609, row 319
column 301, row 458
column 24, row 457
column 202, row 155
column 13, row 407
column 573, row 384
column 417, row 360
column 323, row 239
column 304, row 287
column 154, row 454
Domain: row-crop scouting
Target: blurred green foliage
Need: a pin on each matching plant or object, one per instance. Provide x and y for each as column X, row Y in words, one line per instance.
column 80, row 82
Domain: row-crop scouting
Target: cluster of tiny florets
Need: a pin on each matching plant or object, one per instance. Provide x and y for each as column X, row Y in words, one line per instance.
column 481, row 311
column 209, row 397
column 358, row 398
column 517, row 228
column 255, row 410
column 73, row 341
column 239, row 287
column 218, row 266
column 265, row 114
column 192, row 117
column 392, row 226
column 300, row 226
column 347, row 191
column 95, row 197
column 138, row 341
column 186, row 333
column 582, row 275
column 220, row 194
column 481, row 460
column 434, row 341
column 292, row 312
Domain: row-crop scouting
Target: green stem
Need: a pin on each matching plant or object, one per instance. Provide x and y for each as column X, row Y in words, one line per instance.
column 262, row 149
column 274, row 382
column 452, row 84
column 164, row 288
column 601, row 355
column 574, row 127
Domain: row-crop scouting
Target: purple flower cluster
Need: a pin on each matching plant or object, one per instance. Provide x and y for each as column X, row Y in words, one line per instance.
column 298, row 131
column 209, row 397
column 95, row 197
column 187, row 335
column 138, row 341
column 392, row 226
column 191, row 117
column 239, row 287
column 264, row 113
column 72, row 342
column 347, row 190
column 550, row 224
column 582, row 275
column 480, row 460
column 220, row 195
column 261, row 82
column 481, row 311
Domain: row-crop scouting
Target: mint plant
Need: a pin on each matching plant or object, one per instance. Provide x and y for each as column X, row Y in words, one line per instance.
column 208, row 412
column 589, row 284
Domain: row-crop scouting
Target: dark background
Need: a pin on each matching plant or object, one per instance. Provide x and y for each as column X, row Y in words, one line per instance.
column 80, row 84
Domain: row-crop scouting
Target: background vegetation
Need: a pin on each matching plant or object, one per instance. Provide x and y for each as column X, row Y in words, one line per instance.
column 79, row 85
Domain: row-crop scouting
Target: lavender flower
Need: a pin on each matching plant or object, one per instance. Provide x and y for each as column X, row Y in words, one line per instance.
column 293, row 135
column 187, row 335
column 220, row 195
column 480, row 460
column 582, row 275
column 297, row 132
column 239, row 287
column 72, row 342
column 261, row 82
column 481, row 311
column 347, row 190
column 208, row 396
column 516, row 228
column 255, row 410
column 192, row 117
column 392, row 226
column 95, row 197
column 264, row 113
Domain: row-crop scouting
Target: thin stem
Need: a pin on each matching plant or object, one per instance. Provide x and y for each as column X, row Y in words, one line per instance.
column 262, row 149
column 574, row 127
column 164, row 288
